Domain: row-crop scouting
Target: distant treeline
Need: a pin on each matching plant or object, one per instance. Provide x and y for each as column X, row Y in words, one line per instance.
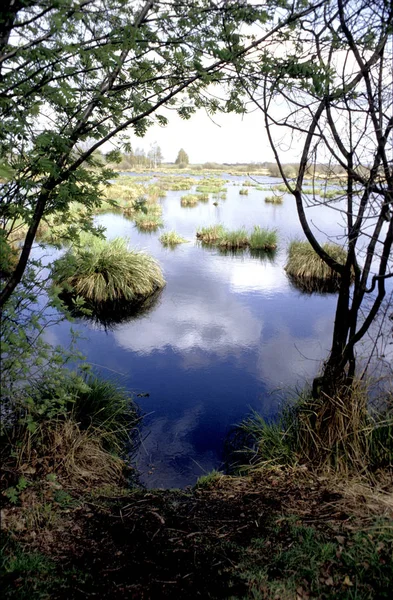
column 139, row 159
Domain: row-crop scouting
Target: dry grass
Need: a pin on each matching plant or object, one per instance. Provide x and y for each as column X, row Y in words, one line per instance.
column 305, row 267
column 171, row 238
column 103, row 271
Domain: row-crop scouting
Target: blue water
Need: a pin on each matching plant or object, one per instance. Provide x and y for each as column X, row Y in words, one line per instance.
column 228, row 334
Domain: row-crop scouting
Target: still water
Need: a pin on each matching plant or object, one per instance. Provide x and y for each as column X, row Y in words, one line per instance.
column 228, row 334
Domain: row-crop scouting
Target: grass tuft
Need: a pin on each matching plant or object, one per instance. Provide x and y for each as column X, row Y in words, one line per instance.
column 274, row 199
column 171, row 238
column 210, row 235
column 263, row 239
column 107, row 271
column 308, row 271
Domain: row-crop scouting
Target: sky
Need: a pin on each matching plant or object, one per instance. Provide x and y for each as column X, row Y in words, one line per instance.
column 223, row 138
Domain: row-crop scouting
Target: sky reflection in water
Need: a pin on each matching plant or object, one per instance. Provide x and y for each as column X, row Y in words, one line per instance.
column 227, row 332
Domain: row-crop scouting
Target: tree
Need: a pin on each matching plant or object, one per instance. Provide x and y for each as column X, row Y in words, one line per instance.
column 330, row 91
column 182, row 158
column 86, row 70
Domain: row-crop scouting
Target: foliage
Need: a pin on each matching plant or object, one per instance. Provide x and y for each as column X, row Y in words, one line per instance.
column 72, row 81
column 337, row 111
column 182, row 158
column 103, row 271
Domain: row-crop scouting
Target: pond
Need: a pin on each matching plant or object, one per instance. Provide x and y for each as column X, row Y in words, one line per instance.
column 228, row 334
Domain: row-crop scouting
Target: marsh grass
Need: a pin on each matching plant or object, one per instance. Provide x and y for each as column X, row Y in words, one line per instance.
column 175, row 184
column 243, row 192
column 274, row 199
column 281, row 187
column 210, row 235
column 263, row 239
column 149, row 221
column 103, row 272
column 171, row 238
column 234, row 239
column 308, row 271
column 329, row 433
column 189, row 200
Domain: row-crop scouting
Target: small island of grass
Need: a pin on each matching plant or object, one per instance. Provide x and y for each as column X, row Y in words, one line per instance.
column 308, row 271
column 106, row 274
column 171, row 238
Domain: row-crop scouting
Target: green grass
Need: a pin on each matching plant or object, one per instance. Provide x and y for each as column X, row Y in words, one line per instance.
column 233, row 240
column 210, row 235
column 104, row 405
column 189, row 200
column 263, row 239
column 149, row 221
column 171, row 238
column 103, row 271
column 296, row 557
column 309, row 270
column 274, row 199
column 243, row 192
column 281, row 187
column 208, row 480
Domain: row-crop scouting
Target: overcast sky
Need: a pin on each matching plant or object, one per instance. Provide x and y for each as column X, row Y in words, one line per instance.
column 224, row 138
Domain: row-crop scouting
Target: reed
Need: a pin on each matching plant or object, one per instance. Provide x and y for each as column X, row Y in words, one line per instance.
column 243, row 192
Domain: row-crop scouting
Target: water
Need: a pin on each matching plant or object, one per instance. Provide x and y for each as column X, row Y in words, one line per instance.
column 227, row 333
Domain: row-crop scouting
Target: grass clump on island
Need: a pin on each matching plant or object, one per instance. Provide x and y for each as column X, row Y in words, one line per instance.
column 234, row 240
column 189, row 200
column 259, row 239
column 308, row 271
column 263, row 239
column 243, row 192
column 149, row 221
column 171, row 238
column 273, row 199
column 211, row 234
column 104, row 272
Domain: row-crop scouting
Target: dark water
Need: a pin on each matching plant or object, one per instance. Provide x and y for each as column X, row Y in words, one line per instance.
column 227, row 332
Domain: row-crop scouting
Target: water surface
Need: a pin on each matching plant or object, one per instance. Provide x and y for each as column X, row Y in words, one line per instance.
column 228, row 332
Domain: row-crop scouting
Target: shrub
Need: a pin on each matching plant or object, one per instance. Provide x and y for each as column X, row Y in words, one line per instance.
column 104, row 272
